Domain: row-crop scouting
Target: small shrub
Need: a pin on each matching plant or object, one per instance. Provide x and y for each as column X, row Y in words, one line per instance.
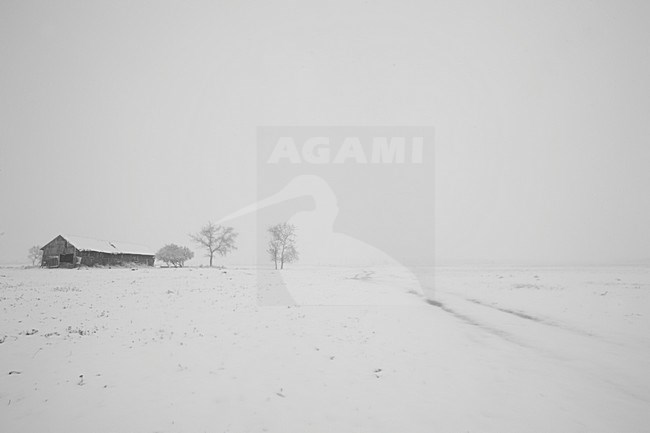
column 174, row 255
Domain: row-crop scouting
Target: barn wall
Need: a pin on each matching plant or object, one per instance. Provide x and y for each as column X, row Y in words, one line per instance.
column 94, row 258
column 55, row 248
column 59, row 246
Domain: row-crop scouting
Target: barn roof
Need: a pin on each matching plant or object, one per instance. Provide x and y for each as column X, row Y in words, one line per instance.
column 103, row 246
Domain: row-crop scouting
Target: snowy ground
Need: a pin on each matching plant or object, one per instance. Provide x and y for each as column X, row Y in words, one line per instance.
column 193, row 350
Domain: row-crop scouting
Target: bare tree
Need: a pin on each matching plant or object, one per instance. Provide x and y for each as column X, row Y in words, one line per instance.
column 35, row 254
column 215, row 239
column 282, row 246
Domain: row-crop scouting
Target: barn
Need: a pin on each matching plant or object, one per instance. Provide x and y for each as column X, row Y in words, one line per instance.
column 71, row 251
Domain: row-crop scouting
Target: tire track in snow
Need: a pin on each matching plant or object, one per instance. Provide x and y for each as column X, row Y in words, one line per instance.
column 607, row 372
column 527, row 316
column 470, row 321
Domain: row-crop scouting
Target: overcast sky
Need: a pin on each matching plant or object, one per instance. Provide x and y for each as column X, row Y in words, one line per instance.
column 136, row 121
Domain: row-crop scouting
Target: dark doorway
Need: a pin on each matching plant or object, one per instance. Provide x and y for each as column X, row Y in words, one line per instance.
column 66, row 258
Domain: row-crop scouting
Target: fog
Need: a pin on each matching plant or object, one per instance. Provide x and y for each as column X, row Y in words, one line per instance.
column 138, row 121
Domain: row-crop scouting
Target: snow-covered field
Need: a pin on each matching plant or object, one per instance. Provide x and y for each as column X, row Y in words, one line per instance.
column 194, row 350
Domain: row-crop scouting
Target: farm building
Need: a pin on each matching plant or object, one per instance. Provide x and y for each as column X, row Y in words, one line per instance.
column 71, row 251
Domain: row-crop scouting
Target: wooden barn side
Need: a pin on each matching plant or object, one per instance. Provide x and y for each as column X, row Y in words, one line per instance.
column 59, row 253
column 71, row 251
